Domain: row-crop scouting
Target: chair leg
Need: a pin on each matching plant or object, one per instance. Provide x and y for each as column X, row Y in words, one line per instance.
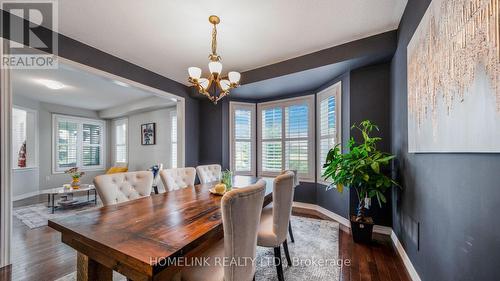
column 277, row 260
column 290, row 231
column 287, row 254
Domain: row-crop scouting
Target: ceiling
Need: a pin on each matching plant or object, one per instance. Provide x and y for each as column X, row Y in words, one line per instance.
column 166, row 37
column 82, row 89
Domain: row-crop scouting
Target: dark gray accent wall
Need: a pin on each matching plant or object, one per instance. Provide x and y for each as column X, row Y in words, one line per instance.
column 380, row 45
column 452, row 197
column 79, row 52
column 370, row 100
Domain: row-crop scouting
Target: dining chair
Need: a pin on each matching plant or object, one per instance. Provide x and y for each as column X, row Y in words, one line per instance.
column 241, row 210
column 122, row 187
column 177, row 178
column 296, row 182
column 209, row 173
column 275, row 218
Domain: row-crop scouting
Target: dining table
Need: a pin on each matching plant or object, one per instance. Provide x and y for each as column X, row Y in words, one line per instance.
column 136, row 237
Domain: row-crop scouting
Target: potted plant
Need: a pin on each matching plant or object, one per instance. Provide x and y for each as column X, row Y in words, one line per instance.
column 75, row 175
column 361, row 168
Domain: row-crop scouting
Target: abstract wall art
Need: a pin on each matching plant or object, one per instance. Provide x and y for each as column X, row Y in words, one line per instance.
column 453, row 78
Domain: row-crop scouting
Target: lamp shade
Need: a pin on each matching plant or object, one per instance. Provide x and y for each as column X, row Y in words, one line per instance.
column 204, row 83
column 215, row 67
column 194, row 72
column 225, row 85
column 234, row 77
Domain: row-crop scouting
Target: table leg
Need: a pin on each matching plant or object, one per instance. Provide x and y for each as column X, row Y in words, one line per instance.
column 95, row 197
column 48, row 198
column 53, row 203
column 88, row 195
column 88, row 269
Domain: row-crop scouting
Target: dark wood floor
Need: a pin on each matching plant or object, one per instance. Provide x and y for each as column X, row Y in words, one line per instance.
column 38, row 254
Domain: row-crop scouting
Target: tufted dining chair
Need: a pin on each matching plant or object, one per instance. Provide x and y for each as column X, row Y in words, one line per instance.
column 209, row 173
column 275, row 218
column 296, row 182
column 178, row 178
column 122, row 187
column 240, row 208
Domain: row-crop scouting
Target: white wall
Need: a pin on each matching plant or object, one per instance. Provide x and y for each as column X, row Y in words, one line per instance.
column 142, row 157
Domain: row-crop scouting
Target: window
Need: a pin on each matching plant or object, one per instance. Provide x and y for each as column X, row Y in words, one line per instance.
column 78, row 142
column 242, row 144
column 120, row 141
column 173, row 138
column 286, row 137
column 329, row 133
column 24, row 138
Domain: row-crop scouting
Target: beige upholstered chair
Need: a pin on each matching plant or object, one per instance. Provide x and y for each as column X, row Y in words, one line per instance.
column 241, row 210
column 209, row 173
column 296, row 182
column 178, row 178
column 122, row 187
column 275, row 218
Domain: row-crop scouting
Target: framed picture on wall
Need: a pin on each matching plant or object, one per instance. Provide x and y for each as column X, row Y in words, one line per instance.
column 148, row 134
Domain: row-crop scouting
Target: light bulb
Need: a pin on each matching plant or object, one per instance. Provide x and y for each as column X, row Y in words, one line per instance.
column 234, row 77
column 215, row 67
column 225, row 85
column 194, row 72
column 204, row 83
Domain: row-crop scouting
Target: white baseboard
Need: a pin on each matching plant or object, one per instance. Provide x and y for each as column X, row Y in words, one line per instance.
column 406, row 260
column 377, row 229
column 25, row 195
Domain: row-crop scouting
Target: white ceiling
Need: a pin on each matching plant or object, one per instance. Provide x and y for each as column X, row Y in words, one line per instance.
column 168, row 36
column 82, row 89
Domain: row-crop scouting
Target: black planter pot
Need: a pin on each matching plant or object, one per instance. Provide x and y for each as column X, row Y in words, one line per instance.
column 362, row 231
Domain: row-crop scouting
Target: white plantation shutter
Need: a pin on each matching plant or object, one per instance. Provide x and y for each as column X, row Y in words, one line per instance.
column 79, row 143
column 242, row 128
column 286, row 137
column 120, row 140
column 272, row 149
column 173, row 139
column 296, row 134
column 329, row 123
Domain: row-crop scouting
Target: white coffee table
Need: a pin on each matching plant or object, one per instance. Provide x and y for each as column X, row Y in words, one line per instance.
column 69, row 192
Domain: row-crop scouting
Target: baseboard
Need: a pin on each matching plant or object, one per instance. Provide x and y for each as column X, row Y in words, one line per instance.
column 377, row 229
column 406, row 260
column 25, row 195
column 340, row 219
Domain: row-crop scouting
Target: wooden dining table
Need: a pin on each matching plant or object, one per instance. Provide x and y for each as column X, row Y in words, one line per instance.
column 134, row 237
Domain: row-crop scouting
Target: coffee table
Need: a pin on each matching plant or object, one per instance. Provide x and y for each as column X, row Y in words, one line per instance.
column 66, row 193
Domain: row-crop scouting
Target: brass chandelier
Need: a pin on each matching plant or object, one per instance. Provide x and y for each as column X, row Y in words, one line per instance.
column 216, row 82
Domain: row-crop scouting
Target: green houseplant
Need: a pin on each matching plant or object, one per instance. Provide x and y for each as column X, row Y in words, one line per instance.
column 361, row 168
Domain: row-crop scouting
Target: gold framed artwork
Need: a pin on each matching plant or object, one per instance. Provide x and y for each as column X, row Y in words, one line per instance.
column 453, row 64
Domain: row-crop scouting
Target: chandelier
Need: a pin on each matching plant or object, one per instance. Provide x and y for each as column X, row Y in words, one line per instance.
column 217, row 84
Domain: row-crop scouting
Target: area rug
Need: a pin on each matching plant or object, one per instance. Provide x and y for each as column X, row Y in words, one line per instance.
column 38, row 215
column 314, row 254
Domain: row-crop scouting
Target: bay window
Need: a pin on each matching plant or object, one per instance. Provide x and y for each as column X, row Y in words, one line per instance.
column 286, row 137
column 78, row 142
column 242, row 140
column 328, row 131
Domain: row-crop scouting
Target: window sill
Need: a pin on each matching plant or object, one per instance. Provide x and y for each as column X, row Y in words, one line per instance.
column 82, row 170
column 18, row 170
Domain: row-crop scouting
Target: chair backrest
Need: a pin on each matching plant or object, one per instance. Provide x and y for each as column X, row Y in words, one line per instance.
column 283, row 190
column 122, row 187
column 209, row 173
column 178, row 178
column 241, row 209
column 296, row 181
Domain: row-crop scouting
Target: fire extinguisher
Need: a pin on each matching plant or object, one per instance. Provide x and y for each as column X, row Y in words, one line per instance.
column 21, row 158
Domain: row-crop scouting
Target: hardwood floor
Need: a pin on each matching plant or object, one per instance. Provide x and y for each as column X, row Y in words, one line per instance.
column 38, row 254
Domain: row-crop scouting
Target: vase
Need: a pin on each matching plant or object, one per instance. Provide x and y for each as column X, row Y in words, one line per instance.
column 75, row 183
